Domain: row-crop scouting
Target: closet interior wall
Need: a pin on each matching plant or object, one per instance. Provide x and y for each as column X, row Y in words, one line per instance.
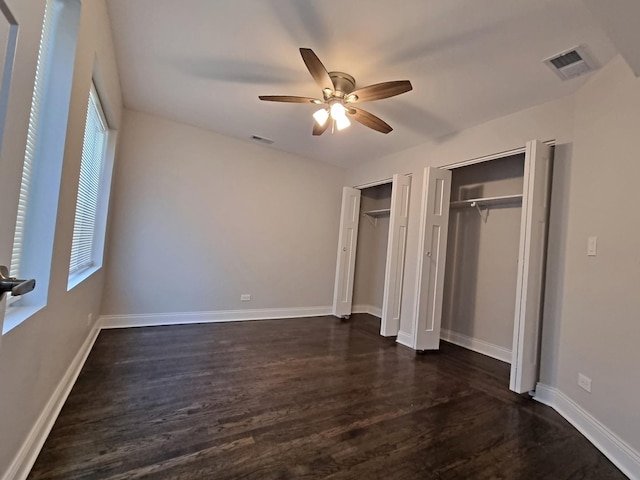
column 482, row 253
column 371, row 253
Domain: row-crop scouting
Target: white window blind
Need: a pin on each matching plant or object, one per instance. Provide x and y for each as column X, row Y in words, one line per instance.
column 91, row 168
column 32, row 137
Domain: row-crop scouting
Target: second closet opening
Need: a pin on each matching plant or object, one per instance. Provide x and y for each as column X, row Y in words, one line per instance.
column 371, row 253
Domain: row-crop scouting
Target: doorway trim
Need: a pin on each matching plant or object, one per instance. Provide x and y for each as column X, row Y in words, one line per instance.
column 374, row 183
column 493, row 156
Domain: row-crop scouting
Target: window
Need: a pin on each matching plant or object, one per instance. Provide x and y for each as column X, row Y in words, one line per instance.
column 46, row 132
column 32, row 138
column 89, row 187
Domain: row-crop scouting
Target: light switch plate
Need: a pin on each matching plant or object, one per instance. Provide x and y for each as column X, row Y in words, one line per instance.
column 592, row 246
column 584, row 382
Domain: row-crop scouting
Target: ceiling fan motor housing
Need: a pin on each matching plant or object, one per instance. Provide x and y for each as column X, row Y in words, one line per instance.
column 343, row 83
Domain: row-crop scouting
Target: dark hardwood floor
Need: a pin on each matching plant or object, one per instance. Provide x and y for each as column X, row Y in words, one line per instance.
column 302, row 398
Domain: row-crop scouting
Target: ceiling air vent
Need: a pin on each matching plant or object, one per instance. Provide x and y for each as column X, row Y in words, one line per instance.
column 266, row 141
column 571, row 63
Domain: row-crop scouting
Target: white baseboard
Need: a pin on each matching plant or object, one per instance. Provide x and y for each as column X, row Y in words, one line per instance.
column 480, row 346
column 28, row 453
column 370, row 309
column 613, row 447
column 181, row 318
column 405, row 339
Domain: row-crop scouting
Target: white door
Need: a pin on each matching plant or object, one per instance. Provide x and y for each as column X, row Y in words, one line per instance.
column 531, row 264
column 431, row 264
column 396, row 247
column 347, row 243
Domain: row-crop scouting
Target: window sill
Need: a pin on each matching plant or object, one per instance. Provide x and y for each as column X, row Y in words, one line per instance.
column 15, row 315
column 79, row 277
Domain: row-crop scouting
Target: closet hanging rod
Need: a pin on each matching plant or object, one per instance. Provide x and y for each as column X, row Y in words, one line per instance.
column 377, row 213
column 372, row 215
column 488, row 201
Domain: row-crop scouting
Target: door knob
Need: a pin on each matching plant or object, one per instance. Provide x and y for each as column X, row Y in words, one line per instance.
column 14, row 285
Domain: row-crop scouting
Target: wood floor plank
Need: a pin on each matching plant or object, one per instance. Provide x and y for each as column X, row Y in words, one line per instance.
column 306, row 399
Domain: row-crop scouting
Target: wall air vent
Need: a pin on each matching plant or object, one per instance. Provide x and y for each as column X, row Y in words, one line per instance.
column 571, row 63
column 266, row 141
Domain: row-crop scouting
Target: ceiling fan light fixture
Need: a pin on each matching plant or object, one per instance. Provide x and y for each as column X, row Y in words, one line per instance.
column 342, row 122
column 321, row 116
column 338, row 111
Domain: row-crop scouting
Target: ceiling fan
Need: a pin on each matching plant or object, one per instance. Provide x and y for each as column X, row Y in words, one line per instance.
column 339, row 96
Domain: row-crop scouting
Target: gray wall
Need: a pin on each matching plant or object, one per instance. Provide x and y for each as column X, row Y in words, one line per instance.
column 35, row 355
column 199, row 219
column 601, row 302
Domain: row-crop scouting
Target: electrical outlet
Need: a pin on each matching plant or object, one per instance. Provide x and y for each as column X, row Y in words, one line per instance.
column 89, row 318
column 245, row 297
column 584, row 382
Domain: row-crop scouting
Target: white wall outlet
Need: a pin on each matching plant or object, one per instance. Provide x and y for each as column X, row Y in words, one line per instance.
column 592, row 246
column 584, row 382
column 245, row 297
column 89, row 318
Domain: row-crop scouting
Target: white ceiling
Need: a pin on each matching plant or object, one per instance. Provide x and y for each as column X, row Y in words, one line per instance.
column 205, row 62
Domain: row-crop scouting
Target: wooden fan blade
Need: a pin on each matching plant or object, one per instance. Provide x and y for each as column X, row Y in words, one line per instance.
column 289, row 99
column 316, row 69
column 319, row 130
column 369, row 119
column 379, row 90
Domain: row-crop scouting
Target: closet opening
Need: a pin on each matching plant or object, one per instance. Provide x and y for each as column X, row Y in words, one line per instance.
column 481, row 271
column 483, row 239
column 371, row 250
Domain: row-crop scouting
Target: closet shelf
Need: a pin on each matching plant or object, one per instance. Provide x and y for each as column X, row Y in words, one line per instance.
column 488, row 201
column 378, row 213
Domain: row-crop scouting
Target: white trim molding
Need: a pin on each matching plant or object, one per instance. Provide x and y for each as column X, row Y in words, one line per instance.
column 613, row 447
column 477, row 345
column 183, row 318
column 405, row 339
column 370, row 309
column 30, row 449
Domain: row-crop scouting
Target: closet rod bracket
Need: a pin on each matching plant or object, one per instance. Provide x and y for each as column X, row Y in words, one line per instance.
column 372, row 220
column 484, row 216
